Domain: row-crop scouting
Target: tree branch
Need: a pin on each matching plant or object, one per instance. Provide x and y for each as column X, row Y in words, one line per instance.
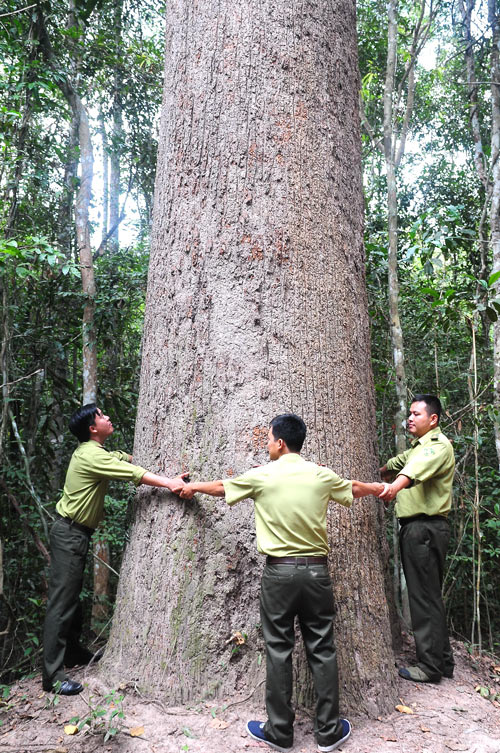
column 17, row 507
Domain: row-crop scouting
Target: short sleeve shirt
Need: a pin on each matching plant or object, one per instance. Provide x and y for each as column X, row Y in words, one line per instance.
column 90, row 469
column 291, row 498
column 430, row 465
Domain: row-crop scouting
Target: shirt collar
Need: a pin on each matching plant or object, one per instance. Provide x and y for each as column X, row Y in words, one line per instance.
column 427, row 437
column 289, row 457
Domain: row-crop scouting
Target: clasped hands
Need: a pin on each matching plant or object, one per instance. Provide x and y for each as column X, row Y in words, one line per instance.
column 179, row 486
column 389, row 491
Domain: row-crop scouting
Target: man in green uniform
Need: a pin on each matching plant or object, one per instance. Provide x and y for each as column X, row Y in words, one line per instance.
column 423, row 486
column 78, row 513
column 291, row 498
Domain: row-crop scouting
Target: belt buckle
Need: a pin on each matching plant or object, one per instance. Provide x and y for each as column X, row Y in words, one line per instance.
column 300, row 563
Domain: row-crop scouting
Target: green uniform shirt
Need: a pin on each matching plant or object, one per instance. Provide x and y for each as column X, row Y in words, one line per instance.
column 291, row 497
column 430, row 464
column 90, row 469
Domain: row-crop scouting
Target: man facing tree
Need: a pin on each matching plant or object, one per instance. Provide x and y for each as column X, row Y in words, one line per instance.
column 291, row 499
column 78, row 513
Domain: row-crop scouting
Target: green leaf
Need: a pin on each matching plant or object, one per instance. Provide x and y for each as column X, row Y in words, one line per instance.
column 491, row 314
column 493, row 278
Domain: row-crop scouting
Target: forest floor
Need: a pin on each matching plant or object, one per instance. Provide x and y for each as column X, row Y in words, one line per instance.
column 451, row 716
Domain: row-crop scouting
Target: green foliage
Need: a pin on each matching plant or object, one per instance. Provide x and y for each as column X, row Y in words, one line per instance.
column 103, row 717
column 447, row 298
column 40, row 288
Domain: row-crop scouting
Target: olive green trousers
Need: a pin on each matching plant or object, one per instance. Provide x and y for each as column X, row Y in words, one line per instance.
column 63, row 618
column 423, row 542
column 305, row 592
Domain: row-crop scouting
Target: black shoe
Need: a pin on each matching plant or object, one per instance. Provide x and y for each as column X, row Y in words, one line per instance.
column 67, row 687
column 80, row 656
column 415, row 674
column 448, row 673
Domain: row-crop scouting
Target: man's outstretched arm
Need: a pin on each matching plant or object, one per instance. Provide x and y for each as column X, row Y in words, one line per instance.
column 362, row 489
column 212, row 488
column 174, row 484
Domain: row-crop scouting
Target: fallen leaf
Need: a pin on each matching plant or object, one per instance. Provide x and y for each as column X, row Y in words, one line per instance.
column 404, row 709
column 237, row 638
column 388, row 739
column 424, row 729
column 218, row 723
column 136, row 731
column 496, row 669
column 70, row 729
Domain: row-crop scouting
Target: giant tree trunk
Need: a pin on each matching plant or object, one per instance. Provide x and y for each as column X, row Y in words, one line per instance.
column 256, row 305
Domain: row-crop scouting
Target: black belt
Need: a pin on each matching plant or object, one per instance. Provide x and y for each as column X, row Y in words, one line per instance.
column 296, row 560
column 423, row 516
column 79, row 527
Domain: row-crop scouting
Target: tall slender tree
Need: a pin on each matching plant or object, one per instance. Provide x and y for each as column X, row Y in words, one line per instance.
column 256, row 304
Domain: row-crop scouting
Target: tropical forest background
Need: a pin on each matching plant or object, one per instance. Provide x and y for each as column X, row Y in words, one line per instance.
column 80, row 95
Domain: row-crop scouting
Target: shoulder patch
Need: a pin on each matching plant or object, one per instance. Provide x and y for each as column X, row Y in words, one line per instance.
column 434, row 439
column 428, row 451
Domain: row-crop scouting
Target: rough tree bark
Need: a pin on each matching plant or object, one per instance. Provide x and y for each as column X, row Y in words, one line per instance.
column 256, row 304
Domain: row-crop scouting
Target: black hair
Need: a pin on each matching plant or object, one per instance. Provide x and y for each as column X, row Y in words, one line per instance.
column 291, row 429
column 82, row 420
column 433, row 404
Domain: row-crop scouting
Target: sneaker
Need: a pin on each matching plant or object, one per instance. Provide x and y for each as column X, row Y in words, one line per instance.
column 448, row 673
column 256, row 730
column 346, row 731
column 415, row 674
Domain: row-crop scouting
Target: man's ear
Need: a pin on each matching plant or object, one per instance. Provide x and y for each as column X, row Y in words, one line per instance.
column 92, row 429
column 434, row 419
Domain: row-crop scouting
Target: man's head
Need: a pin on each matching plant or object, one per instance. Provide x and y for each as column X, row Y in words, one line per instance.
column 89, row 422
column 286, row 434
column 425, row 412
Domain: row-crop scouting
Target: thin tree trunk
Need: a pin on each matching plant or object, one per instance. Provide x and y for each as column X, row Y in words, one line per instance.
column 395, row 328
column 105, row 181
column 256, row 304
column 85, row 253
column 495, row 202
column 100, row 603
column 117, row 137
column 82, row 204
column 66, row 223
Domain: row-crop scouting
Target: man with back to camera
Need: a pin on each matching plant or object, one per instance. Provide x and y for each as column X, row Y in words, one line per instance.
column 291, row 497
column 78, row 512
column 423, row 486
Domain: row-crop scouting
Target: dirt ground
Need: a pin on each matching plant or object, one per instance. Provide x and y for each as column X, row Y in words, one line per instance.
column 451, row 716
